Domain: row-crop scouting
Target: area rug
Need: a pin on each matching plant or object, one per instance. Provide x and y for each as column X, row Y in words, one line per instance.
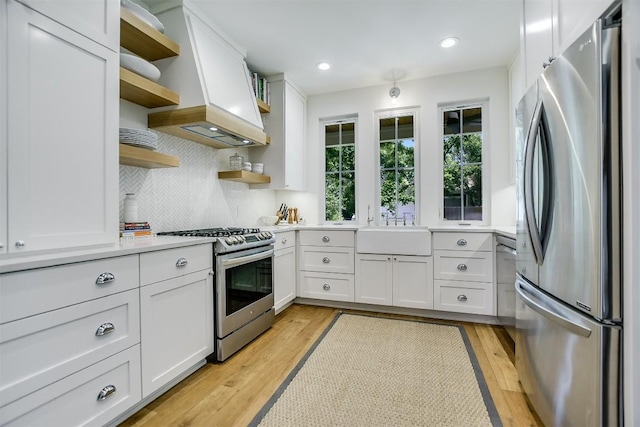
column 373, row 371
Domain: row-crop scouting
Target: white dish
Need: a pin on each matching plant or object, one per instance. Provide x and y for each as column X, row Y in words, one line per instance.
column 143, row 14
column 139, row 66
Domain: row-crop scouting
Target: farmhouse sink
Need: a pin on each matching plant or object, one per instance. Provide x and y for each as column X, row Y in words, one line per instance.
column 405, row 240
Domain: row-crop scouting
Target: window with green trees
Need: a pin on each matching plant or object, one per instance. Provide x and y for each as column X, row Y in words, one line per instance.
column 340, row 173
column 462, row 163
column 397, row 167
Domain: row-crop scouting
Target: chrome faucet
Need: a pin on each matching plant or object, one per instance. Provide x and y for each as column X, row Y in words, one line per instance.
column 404, row 218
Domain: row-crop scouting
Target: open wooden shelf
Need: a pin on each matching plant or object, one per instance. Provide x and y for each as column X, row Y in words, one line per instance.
column 142, row 91
column 144, row 40
column 244, row 176
column 263, row 106
column 143, row 158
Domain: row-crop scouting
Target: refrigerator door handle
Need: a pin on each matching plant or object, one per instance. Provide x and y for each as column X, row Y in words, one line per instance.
column 531, row 142
column 549, row 314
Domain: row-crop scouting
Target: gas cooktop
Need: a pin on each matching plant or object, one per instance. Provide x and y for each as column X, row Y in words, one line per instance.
column 230, row 239
column 212, row 232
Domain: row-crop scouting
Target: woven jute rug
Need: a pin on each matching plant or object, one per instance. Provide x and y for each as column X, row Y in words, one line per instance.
column 372, row 371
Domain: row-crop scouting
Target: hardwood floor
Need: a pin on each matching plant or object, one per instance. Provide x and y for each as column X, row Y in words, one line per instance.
column 231, row 393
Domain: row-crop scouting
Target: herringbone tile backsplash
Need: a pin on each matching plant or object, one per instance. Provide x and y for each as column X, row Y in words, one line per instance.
column 191, row 196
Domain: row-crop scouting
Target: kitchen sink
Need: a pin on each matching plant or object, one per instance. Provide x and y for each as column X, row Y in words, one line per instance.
column 399, row 240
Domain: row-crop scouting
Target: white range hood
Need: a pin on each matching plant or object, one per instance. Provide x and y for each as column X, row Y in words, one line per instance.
column 217, row 103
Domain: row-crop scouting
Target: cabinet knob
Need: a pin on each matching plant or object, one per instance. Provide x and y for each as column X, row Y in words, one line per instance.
column 326, row 287
column 326, row 260
column 325, row 239
column 182, row 262
column 1, row 245
column 462, row 267
column 284, row 240
column 105, row 278
column 461, row 242
column 20, row 244
column 106, row 392
column 462, row 298
column 104, row 329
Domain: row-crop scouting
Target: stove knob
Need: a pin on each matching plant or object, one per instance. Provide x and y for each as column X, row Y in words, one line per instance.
column 241, row 239
column 229, row 241
column 267, row 234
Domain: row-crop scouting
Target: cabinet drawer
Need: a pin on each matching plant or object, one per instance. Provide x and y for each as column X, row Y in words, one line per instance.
column 30, row 292
column 285, row 239
column 329, row 260
column 461, row 265
column 74, row 400
column 473, row 298
column 463, row 241
column 163, row 265
column 42, row 349
column 336, row 287
column 327, row 238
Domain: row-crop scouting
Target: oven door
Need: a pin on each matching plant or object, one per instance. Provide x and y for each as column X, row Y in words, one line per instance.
column 244, row 287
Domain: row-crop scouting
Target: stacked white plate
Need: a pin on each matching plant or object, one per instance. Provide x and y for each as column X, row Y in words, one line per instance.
column 139, row 137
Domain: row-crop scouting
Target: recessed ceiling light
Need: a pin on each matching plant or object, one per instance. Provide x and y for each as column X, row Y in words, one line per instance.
column 323, row 66
column 448, row 42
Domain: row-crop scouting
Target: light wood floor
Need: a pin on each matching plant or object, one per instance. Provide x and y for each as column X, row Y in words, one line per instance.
column 231, row 393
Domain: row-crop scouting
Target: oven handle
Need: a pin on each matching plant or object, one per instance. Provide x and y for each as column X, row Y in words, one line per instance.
column 247, row 259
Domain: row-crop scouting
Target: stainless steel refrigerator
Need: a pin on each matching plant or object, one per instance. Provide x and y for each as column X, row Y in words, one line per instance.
column 568, row 285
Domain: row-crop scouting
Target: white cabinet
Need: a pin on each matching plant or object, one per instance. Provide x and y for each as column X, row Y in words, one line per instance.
column 284, row 158
column 398, row 280
column 62, row 130
column 176, row 316
column 284, row 270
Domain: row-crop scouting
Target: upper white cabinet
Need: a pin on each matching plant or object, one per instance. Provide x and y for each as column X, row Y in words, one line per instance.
column 62, row 130
column 550, row 26
column 283, row 158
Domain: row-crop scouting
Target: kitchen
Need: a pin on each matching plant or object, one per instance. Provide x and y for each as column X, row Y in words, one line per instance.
column 172, row 199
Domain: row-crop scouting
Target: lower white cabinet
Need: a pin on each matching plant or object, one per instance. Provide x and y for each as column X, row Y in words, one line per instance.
column 284, row 276
column 176, row 327
column 464, row 297
column 398, row 280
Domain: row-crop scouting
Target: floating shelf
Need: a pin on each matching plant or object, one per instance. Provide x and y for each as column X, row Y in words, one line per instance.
column 143, row 158
column 263, row 106
column 244, row 176
column 144, row 40
column 142, row 91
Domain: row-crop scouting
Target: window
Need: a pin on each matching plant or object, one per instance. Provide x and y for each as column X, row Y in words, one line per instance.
column 340, row 175
column 462, row 163
column 397, row 167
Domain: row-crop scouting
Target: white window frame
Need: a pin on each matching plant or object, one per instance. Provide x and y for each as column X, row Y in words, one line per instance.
column 486, row 169
column 385, row 114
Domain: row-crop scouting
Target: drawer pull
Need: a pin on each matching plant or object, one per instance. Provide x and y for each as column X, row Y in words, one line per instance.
column 105, row 278
column 104, row 329
column 325, row 239
column 181, row 262
column 462, row 267
column 462, row 298
column 462, row 242
column 326, row 287
column 326, row 260
column 284, row 240
column 106, row 392
column 20, row 244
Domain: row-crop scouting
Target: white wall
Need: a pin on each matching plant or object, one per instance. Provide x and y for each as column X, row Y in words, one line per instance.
column 426, row 94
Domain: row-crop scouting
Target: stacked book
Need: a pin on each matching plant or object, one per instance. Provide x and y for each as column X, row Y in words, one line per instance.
column 135, row 230
column 261, row 88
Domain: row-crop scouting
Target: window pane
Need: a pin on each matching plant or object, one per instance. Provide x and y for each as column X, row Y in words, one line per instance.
column 388, row 193
column 348, row 158
column 452, row 193
column 348, row 196
column 332, row 134
column 406, row 193
column 472, row 120
column 405, row 153
column 388, row 129
column 405, row 127
column 451, row 148
column 332, row 197
column 472, row 148
column 332, row 159
column 472, row 187
column 387, row 155
column 451, row 122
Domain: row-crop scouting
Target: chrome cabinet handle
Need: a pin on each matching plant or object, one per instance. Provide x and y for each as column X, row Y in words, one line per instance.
column 105, row 278
column 325, row 239
column 20, row 244
column 284, row 240
column 326, row 287
column 181, row 262
column 326, row 260
column 461, row 242
column 104, row 329
column 462, row 298
column 462, row 267
column 106, row 392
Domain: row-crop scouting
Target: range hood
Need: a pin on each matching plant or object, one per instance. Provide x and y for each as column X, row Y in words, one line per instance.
column 217, row 103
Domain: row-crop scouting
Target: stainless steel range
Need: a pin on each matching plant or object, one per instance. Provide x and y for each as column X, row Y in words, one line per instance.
column 244, row 285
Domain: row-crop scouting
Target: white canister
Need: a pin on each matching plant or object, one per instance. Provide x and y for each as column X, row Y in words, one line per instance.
column 130, row 208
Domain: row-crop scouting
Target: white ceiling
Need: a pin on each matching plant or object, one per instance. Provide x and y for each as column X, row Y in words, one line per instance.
column 368, row 42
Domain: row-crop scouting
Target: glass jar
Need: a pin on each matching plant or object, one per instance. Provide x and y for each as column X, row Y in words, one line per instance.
column 235, row 162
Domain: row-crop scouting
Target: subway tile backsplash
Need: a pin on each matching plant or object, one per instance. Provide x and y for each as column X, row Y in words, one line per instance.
column 191, row 196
